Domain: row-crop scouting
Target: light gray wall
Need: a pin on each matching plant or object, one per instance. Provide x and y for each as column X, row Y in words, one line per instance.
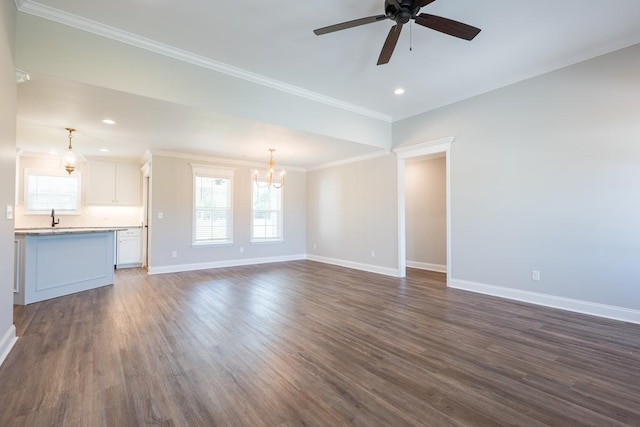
column 7, row 168
column 172, row 194
column 426, row 211
column 545, row 175
column 352, row 210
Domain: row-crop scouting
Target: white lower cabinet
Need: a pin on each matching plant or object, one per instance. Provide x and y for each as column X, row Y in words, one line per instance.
column 129, row 248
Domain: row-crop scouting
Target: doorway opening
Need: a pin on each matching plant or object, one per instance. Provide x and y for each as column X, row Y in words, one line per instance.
column 427, row 150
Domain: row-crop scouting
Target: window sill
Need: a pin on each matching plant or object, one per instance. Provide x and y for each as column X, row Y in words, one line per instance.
column 267, row 242
column 211, row 244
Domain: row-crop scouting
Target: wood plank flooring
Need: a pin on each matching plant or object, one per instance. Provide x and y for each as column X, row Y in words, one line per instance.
column 307, row 344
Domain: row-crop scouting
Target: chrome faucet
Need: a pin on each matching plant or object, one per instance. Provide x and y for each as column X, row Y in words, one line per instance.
column 53, row 218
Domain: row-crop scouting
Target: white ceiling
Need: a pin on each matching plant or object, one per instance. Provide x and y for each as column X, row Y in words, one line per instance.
column 274, row 40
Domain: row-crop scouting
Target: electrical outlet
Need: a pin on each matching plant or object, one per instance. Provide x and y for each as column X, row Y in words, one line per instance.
column 315, row 246
column 174, row 254
column 241, row 249
column 160, row 215
column 373, row 254
column 535, row 275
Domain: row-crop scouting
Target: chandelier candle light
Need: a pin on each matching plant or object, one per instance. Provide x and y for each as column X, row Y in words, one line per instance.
column 269, row 180
column 70, row 158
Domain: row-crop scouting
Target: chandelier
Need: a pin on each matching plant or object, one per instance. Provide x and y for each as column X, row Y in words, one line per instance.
column 269, row 182
column 70, row 159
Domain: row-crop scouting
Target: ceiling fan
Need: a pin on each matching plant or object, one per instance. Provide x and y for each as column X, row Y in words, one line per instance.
column 402, row 11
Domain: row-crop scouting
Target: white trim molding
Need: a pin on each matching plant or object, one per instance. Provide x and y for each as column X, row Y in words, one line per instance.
column 213, row 159
column 177, row 268
column 103, row 30
column 356, row 159
column 578, row 306
column 424, row 149
column 355, row 265
column 7, row 342
column 440, row 268
column 427, row 149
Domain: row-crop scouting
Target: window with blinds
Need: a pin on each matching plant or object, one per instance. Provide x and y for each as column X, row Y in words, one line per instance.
column 266, row 218
column 213, row 213
column 52, row 189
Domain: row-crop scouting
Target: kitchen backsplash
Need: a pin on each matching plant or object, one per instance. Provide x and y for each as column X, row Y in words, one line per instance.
column 90, row 216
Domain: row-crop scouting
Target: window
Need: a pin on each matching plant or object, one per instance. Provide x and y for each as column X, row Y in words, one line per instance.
column 52, row 189
column 212, row 213
column 266, row 219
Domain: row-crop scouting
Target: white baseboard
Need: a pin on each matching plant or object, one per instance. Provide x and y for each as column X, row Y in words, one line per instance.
column 356, row 265
column 578, row 306
column 177, row 268
column 221, row 264
column 440, row 268
column 7, row 342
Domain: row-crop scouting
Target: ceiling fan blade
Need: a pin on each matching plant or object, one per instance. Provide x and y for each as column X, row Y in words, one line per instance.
column 422, row 3
column 389, row 44
column 349, row 24
column 447, row 26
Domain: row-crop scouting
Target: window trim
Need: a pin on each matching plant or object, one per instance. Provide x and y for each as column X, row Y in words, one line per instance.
column 52, row 172
column 270, row 240
column 211, row 172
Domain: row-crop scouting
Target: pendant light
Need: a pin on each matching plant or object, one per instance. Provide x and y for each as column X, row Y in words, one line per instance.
column 70, row 159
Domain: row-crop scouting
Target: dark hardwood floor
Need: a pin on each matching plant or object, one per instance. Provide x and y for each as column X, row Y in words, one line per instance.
column 307, row 344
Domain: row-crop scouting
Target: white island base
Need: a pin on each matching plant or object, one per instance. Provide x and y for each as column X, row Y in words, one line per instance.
column 54, row 263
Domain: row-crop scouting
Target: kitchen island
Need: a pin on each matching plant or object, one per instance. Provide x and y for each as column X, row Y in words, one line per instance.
column 54, row 262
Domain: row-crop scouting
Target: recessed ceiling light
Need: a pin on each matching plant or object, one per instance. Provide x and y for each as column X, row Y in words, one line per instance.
column 108, row 122
column 104, row 150
column 399, row 91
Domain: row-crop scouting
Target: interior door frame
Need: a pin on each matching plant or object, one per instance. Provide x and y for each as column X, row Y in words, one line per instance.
column 146, row 196
column 426, row 149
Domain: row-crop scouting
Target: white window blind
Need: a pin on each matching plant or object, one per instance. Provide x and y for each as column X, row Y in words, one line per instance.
column 213, row 213
column 52, row 189
column 266, row 213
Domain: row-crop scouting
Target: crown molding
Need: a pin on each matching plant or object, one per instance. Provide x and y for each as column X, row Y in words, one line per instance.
column 342, row 162
column 215, row 159
column 75, row 21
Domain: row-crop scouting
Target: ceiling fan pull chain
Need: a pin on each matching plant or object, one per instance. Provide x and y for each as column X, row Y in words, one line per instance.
column 410, row 36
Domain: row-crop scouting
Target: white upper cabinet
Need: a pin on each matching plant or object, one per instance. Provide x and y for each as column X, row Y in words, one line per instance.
column 117, row 184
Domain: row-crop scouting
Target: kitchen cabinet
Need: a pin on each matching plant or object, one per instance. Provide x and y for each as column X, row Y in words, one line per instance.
column 55, row 262
column 129, row 248
column 115, row 184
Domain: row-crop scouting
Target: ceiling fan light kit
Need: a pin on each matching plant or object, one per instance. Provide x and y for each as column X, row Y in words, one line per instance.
column 401, row 12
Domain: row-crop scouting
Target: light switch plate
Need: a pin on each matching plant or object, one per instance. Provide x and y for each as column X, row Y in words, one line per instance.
column 9, row 212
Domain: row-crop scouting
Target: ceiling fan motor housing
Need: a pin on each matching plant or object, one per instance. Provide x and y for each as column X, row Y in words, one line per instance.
column 401, row 15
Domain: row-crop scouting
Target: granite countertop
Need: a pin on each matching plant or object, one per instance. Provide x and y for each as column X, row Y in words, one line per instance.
column 66, row 230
